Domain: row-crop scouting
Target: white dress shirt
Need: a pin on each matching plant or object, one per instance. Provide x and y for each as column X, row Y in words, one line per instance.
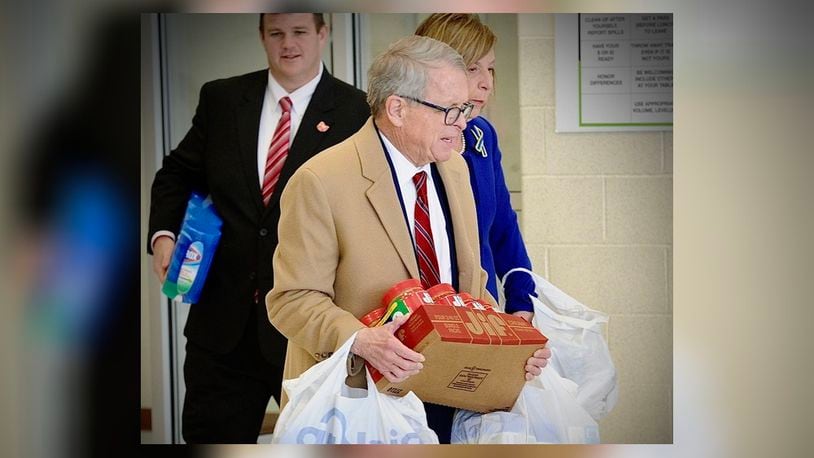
column 405, row 170
column 272, row 112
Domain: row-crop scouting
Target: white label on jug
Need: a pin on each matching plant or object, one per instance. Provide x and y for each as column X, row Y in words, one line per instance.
column 189, row 269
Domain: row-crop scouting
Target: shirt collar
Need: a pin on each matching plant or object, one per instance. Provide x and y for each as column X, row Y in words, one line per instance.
column 299, row 97
column 405, row 170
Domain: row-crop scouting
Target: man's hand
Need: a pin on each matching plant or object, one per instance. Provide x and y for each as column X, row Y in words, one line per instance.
column 162, row 252
column 535, row 364
column 386, row 353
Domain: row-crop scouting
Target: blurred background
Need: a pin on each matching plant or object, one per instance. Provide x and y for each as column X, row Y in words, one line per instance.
column 732, row 229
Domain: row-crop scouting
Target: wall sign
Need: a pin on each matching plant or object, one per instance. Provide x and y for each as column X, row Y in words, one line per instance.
column 614, row 72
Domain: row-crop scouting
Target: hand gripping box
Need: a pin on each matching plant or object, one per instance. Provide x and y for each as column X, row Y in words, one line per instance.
column 475, row 359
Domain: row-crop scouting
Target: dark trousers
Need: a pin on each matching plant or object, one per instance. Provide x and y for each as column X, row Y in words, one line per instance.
column 227, row 394
column 439, row 419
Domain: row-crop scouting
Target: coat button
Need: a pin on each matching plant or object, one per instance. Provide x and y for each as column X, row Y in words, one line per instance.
column 252, row 276
column 264, row 232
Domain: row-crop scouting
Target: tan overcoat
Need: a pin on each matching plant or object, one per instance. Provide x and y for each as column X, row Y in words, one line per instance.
column 344, row 242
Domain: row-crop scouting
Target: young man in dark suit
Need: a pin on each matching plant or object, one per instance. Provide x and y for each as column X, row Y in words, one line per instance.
column 248, row 136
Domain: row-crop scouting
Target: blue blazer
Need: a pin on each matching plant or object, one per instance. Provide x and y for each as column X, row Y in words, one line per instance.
column 501, row 245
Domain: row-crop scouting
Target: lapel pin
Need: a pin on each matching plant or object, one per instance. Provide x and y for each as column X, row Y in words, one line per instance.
column 322, row 127
column 479, row 146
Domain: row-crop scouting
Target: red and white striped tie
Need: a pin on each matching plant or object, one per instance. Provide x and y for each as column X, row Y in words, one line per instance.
column 424, row 245
column 278, row 151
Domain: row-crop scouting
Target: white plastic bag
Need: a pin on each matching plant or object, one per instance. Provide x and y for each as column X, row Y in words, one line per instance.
column 553, row 413
column 546, row 412
column 492, row 428
column 322, row 409
column 579, row 351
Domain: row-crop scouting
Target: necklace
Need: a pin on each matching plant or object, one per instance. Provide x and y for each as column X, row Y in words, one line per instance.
column 463, row 143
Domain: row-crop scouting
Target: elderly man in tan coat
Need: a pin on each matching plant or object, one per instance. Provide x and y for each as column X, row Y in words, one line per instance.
column 354, row 219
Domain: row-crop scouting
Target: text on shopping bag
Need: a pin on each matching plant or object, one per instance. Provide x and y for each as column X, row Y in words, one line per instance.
column 317, row 435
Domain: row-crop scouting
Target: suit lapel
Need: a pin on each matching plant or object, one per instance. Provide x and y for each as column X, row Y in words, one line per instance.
column 382, row 195
column 454, row 185
column 320, row 109
column 248, row 125
column 306, row 143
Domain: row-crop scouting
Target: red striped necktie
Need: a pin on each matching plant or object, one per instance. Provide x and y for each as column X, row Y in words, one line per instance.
column 278, row 151
column 424, row 245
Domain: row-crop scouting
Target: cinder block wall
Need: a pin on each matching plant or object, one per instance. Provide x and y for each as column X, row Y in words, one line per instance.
column 597, row 220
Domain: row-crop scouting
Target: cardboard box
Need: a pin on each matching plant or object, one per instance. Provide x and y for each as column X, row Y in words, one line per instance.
column 475, row 359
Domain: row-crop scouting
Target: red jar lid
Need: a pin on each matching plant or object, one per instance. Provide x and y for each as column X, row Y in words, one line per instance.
column 471, row 302
column 414, row 300
column 479, row 304
column 453, row 300
column 373, row 317
column 440, row 290
column 404, row 286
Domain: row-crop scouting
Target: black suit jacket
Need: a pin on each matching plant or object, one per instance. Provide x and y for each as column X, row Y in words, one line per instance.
column 218, row 156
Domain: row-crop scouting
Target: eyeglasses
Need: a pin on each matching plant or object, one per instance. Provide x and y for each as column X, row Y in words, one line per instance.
column 451, row 114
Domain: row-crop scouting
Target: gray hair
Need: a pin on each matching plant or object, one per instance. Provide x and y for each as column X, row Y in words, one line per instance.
column 403, row 69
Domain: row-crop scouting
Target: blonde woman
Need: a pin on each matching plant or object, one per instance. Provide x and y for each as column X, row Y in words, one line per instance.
column 502, row 246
